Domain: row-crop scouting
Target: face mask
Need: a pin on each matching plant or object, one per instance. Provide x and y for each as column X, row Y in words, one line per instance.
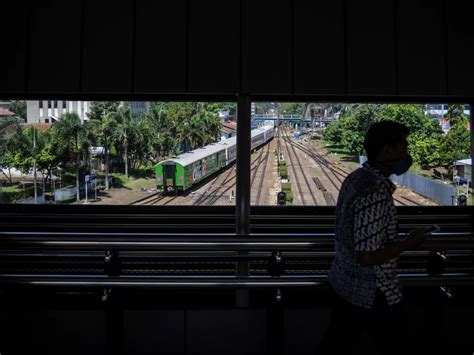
column 403, row 166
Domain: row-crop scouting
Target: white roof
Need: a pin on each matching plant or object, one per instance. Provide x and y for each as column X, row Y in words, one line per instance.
column 200, row 153
column 464, row 162
column 197, row 154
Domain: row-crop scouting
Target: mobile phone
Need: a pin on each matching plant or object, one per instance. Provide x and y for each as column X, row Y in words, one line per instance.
column 431, row 229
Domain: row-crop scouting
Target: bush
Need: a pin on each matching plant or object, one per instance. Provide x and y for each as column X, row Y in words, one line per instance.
column 289, row 197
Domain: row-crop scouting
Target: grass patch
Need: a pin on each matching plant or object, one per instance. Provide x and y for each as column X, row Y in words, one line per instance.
column 138, row 184
column 342, row 153
column 119, row 179
column 66, row 201
column 283, row 169
column 143, row 172
column 134, row 182
column 10, row 189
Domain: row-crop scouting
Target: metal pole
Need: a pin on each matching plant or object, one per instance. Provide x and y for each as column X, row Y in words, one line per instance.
column 471, row 119
column 242, row 199
column 34, row 165
column 243, row 166
column 86, row 178
column 278, row 140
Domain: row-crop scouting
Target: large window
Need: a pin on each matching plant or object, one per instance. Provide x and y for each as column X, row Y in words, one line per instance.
column 118, row 153
column 316, row 145
column 184, row 153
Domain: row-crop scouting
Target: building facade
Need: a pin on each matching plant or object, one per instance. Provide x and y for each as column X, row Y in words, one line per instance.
column 139, row 107
column 50, row 110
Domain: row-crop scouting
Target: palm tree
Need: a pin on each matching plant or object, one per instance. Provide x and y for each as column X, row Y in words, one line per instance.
column 70, row 134
column 124, row 132
column 138, row 142
column 106, row 132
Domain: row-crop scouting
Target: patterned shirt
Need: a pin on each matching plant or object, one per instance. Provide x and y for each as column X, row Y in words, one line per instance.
column 366, row 219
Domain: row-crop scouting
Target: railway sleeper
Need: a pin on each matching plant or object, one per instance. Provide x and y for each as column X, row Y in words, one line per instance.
column 319, row 185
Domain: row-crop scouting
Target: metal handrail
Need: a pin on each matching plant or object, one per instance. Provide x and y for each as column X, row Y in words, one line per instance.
column 424, row 280
column 201, row 241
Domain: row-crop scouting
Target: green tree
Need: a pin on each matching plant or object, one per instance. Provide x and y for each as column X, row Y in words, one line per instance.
column 99, row 109
column 424, row 141
column 19, row 107
column 455, row 145
column 9, row 132
column 209, row 123
column 126, row 132
column 456, row 114
column 292, row 108
column 264, row 107
column 139, row 143
column 162, row 130
column 182, row 126
column 334, row 131
column 426, row 152
column 29, row 149
column 356, row 125
column 231, row 106
column 70, row 139
column 106, row 135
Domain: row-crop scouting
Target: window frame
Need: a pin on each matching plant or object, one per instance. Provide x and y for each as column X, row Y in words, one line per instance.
column 244, row 101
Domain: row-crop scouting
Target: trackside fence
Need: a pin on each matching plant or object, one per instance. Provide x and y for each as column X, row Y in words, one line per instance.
column 442, row 193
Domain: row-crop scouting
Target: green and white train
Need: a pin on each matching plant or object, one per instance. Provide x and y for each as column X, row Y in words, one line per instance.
column 182, row 172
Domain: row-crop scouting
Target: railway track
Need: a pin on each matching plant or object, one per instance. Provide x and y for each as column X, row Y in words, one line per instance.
column 214, row 186
column 158, row 198
column 144, row 200
column 409, row 199
column 328, row 197
column 290, row 148
column 322, row 162
column 213, row 194
column 260, row 186
column 338, row 174
column 264, row 165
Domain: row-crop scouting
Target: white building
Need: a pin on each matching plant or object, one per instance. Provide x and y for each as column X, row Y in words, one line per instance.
column 464, row 168
column 440, row 110
column 49, row 111
column 139, row 107
column 5, row 104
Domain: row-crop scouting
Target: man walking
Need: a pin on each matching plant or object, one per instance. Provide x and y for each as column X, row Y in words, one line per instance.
column 363, row 275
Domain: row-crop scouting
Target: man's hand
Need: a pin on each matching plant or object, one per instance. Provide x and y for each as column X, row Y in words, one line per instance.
column 416, row 237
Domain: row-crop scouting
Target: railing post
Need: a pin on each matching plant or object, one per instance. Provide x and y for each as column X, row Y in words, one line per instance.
column 471, row 122
column 113, row 305
column 242, row 207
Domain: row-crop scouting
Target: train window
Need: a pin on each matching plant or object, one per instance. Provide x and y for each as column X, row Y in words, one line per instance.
column 314, row 146
column 118, row 153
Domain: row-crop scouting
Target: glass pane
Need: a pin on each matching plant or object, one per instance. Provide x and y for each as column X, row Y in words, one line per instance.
column 317, row 145
column 117, row 153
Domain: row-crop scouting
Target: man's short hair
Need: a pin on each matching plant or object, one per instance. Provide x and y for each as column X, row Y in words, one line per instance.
column 381, row 134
